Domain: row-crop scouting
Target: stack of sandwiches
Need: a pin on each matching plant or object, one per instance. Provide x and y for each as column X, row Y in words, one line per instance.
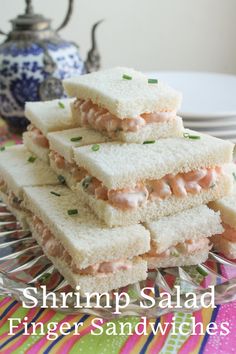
column 127, row 186
column 225, row 242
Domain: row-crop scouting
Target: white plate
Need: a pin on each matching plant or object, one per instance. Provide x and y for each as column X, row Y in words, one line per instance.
column 210, row 125
column 205, row 95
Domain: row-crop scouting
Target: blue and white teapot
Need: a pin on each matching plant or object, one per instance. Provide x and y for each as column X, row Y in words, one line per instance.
column 33, row 61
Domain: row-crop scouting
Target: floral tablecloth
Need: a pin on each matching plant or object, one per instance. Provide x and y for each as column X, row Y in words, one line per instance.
column 109, row 344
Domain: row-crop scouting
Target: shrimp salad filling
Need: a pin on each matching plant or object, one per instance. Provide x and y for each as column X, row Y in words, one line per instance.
column 54, row 248
column 100, row 119
column 179, row 185
column 185, row 248
column 37, row 137
column 229, row 233
column 65, row 166
column 12, row 199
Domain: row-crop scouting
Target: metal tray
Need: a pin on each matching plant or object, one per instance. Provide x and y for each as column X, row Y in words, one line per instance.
column 23, row 265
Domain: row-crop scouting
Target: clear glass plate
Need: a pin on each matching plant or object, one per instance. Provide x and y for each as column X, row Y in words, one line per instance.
column 23, row 265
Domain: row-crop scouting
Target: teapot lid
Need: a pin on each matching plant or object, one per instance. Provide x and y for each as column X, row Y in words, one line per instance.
column 30, row 21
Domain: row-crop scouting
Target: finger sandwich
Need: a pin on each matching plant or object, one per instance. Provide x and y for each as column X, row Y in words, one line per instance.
column 182, row 239
column 19, row 168
column 125, row 105
column 61, row 155
column 45, row 117
column 131, row 183
column 83, row 249
column 225, row 242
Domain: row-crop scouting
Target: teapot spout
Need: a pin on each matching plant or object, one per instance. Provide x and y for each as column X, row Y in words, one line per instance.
column 93, row 61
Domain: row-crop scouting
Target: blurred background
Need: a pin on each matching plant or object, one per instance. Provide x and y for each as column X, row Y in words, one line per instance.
column 148, row 35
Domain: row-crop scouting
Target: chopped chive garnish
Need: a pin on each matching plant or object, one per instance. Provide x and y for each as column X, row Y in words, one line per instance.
column 174, row 254
column 189, row 136
column 77, row 138
column 44, row 277
column 61, row 179
column 55, row 193
column 152, row 81
column 31, row 159
column 234, row 176
column 61, row 104
column 95, row 147
column 213, row 185
column 201, row 271
column 149, row 142
column 127, row 77
column 86, row 182
column 72, row 211
column 2, row 148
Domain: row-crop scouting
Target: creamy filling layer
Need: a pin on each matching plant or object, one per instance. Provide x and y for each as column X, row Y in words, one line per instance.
column 55, row 249
column 187, row 247
column 60, row 162
column 12, row 199
column 37, row 136
column 100, row 119
column 229, row 233
column 179, row 185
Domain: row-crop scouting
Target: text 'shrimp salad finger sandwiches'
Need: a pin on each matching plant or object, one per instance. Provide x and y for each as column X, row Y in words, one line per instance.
column 122, row 187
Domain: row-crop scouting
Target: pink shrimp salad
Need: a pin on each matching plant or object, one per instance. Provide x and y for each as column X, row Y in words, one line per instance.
column 56, row 249
column 77, row 173
column 98, row 118
column 179, row 185
column 37, row 136
column 229, row 233
column 185, row 248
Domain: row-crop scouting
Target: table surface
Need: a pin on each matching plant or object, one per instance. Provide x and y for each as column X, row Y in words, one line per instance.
column 88, row 343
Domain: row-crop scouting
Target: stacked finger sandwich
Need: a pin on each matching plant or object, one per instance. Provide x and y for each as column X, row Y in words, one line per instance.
column 226, row 242
column 137, row 182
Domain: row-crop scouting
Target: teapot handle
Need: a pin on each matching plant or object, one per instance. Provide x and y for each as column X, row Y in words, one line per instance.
column 68, row 15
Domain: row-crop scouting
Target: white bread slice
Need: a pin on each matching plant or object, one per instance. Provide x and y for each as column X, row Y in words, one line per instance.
column 154, row 209
column 18, row 172
column 123, row 98
column 99, row 283
column 40, row 152
column 186, row 260
column 20, row 215
column 87, row 240
column 191, row 224
column 224, row 246
column 121, row 165
column 61, row 141
column 227, row 205
column 49, row 116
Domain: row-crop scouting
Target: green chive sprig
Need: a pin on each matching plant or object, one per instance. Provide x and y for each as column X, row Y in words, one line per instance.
column 61, row 179
column 55, row 193
column 193, row 137
column 152, row 81
column 126, row 77
column 72, row 212
column 77, row 138
column 61, row 105
column 234, row 176
column 201, row 271
column 95, row 147
column 31, row 159
column 86, row 182
column 2, row 148
column 149, row 142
